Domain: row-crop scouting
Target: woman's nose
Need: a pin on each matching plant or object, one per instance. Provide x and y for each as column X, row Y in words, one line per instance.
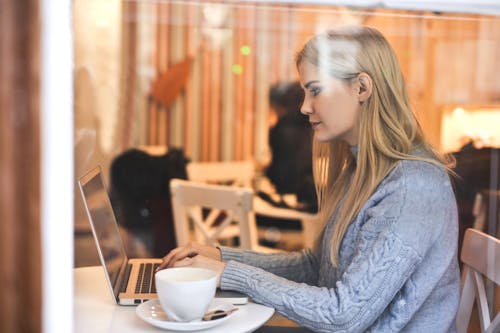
column 306, row 108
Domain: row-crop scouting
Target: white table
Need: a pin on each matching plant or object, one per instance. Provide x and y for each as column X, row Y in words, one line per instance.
column 95, row 310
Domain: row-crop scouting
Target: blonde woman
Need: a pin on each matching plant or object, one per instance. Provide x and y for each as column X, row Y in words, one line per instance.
column 386, row 259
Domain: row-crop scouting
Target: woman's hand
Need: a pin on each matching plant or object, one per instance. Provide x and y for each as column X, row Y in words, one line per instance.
column 189, row 251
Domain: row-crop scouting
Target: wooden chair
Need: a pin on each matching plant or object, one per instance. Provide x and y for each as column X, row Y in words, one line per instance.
column 238, row 173
column 481, row 258
column 486, row 212
column 242, row 173
column 230, row 214
column 308, row 221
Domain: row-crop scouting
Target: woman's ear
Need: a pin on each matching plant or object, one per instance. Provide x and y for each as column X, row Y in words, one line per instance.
column 365, row 85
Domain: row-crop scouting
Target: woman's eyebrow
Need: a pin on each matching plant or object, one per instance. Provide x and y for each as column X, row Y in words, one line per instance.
column 309, row 83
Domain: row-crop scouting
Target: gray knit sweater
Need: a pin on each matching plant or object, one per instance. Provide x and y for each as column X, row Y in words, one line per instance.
column 397, row 272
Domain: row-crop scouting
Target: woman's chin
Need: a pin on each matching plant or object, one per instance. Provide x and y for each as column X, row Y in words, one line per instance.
column 322, row 138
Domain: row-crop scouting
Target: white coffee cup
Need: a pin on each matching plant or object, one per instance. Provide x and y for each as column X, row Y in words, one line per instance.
column 185, row 293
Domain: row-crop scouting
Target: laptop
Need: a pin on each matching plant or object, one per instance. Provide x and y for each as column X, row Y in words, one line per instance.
column 130, row 280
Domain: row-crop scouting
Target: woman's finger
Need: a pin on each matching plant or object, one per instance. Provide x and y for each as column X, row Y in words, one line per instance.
column 177, row 254
column 183, row 263
column 187, row 251
column 167, row 259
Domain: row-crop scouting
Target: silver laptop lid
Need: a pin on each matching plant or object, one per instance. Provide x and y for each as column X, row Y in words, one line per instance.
column 104, row 227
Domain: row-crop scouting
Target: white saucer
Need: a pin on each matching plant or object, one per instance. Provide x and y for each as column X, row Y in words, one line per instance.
column 152, row 312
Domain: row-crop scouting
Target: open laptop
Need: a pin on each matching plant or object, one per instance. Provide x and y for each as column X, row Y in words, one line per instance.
column 131, row 281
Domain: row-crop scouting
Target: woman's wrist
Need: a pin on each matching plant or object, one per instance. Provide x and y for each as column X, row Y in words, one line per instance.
column 219, row 253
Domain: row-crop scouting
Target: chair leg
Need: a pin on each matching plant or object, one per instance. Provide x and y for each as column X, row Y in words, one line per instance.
column 495, row 325
column 481, row 300
column 465, row 309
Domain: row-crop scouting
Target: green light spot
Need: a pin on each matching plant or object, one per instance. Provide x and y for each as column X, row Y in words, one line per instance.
column 237, row 69
column 245, row 50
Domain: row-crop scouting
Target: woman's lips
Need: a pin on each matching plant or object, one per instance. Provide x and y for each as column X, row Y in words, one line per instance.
column 315, row 124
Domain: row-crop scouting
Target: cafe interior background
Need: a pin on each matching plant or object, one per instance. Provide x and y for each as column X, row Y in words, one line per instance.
column 195, row 75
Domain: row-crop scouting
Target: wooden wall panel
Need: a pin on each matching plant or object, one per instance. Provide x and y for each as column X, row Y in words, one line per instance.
column 240, row 82
column 194, row 95
column 222, row 114
column 129, row 77
column 228, row 105
column 266, row 53
column 164, row 62
column 20, row 198
column 191, row 41
column 215, row 91
column 487, row 80
column 205, row 105
column 249, row 82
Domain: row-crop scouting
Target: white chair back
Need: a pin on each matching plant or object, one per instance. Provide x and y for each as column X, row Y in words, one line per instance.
column 229, row 203
column 309, row 221
column 238, row 173
column 481, row 258
column 242, row 173
column 486, row 211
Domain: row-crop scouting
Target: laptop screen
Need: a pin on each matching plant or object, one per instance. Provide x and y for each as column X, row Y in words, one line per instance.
column 103, row 222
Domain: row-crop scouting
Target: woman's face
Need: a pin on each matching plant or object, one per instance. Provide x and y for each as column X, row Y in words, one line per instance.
column 332, row 105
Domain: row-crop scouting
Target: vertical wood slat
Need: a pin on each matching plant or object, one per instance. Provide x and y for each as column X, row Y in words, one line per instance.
column 189, row 96
column 283, row 37
column 162, row 125
column 151, row 112
column 205, row 105
column 156, row 62
column 193, row 130
column 261, row 48
column 301, row 33
column 177, row 51
column 228, row 107
column 163, row 113
column 153, row 121
column 20, row 230
column 276, row 31
column 249, row 83
column 240, row 91
column 487, row 82
column 215, row 103
column 129, row 57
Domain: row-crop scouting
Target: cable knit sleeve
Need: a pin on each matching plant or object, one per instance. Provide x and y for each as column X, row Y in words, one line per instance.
column 389, row 239
column 296, row 266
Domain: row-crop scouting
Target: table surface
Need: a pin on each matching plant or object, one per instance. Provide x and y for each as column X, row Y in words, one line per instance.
column 95, row 311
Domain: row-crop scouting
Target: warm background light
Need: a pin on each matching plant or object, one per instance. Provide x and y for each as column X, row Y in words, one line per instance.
column 479, row 124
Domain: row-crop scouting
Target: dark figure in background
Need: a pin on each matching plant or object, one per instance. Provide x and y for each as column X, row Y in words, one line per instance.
column 290, row 141
column 140, row 195
column 476, row 172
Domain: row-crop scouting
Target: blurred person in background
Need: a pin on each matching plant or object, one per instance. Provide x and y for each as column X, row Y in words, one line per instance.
column 290, row 142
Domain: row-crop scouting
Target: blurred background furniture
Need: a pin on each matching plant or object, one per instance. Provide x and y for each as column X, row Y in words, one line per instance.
column 239, row 173
column 478, row 179
column 309, row 222
column 214, row 213
column 242, row 173
column 140, row 195
column 481, row 259
column 487, row 212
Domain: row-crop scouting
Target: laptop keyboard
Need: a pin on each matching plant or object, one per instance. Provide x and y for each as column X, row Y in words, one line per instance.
column 123, row 286
column 145, row 280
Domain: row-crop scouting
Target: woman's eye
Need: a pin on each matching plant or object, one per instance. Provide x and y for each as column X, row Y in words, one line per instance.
column 315, row 91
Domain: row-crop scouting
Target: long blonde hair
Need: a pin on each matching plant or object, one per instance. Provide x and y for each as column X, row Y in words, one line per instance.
column 388, row 129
